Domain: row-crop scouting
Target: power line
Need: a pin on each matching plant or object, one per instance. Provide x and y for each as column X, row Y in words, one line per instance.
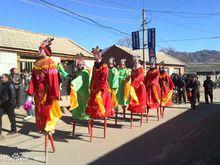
column 102, row 6
column 84, row 17
column 191, row 39
column 180, row 5
column 180, row 12
column 182, row 25
column 120, row 4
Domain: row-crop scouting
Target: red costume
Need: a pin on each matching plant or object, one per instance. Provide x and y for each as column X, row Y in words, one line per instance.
column 44, row 85
column 137, row 79
column 167, row 87
column 153, row 88
column 100, row 104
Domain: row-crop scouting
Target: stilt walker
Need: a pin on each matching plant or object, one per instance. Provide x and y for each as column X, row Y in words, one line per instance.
column 44, row 86
column 100, row 103
column 79, row 94
column 137, row 92
column 167, row 87
column 113, row 80
column 153, row 90
column 124, row 74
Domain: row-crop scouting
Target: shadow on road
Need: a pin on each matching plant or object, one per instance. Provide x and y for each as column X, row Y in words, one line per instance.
column 192, row 137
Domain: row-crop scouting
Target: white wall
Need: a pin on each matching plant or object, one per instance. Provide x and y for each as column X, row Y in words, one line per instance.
column 8, row 60
column 89, row 63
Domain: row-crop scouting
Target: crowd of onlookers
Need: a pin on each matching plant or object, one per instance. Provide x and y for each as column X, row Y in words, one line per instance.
column 12, row 86
column 188, row 87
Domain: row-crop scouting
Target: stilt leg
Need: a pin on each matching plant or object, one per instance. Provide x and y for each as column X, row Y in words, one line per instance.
column 141, row 119
column 52, row 142
column 46, row 147
column 163, row 111
column 74, row 127
column 131, row 120
column 91, row 129
column 105, row 127
column 147, row 115
column 158, row 114
column 116, row 117
column 124, row 110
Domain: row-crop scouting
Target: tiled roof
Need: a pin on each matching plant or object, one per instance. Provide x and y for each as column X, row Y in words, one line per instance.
column 160, row 55
column 25, row 40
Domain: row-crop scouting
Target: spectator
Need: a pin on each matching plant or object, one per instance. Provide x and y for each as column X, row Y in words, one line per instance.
column 7, row 98
column 16, row 79
column 208, row 88
column 181, row 88
column 30, row 113
column 192, row 87
column 174, row 78
column 198, row 91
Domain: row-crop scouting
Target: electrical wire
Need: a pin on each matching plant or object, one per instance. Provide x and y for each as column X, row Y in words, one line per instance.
column 84, row 17
column 102, row 6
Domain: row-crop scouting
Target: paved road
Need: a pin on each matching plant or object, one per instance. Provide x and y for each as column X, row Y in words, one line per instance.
column 168, row 141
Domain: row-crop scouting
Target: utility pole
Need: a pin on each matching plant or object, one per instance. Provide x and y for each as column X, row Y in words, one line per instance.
column 143, row 33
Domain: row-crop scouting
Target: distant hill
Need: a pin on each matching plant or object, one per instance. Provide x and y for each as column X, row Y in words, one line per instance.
column 203, row 56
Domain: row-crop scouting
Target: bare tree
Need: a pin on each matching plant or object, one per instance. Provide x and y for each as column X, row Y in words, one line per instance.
column 126, row 42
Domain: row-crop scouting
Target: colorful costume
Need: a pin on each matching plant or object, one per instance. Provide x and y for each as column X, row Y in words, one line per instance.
column 167, row 87
column 79, row 95
column 153, row 88
column 44, row 85
column 113, row 80
column 100, row 103
column 123, row 74
column 61, row 70
column 137, row 83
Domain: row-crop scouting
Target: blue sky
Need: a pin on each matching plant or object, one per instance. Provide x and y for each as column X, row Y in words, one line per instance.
column 124, row 15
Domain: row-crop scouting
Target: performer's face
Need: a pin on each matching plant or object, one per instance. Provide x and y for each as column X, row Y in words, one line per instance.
column 110, row 65
column 97, row 57
column 122, row 65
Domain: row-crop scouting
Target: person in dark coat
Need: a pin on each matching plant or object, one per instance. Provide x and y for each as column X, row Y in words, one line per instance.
column 181, row 88
column 7, row 105
column 16, row 79
column 208, row 88
column 192, row 88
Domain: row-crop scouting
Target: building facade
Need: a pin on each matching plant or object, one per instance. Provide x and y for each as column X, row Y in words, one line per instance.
column 19, row 49
column 171, row 64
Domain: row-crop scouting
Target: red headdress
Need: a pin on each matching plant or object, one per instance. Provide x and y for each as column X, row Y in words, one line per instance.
column 45, row 47
column 96, row 51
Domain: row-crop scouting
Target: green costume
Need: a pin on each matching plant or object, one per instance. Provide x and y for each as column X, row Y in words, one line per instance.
column 123, row 74
column 81, row 87
column 113, row 80
column 61, row 70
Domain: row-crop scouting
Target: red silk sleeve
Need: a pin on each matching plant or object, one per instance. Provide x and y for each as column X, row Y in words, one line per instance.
column 53, row 83
column 138, row 79
column 103, row 78
column 31, row 90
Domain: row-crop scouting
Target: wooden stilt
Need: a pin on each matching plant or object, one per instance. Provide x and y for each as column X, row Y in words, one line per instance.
column 91, row 129
column 158, row 114
column 74, row 127
column 52, row 141
column 105, row 127
column 116, row 117
column 46, row 147
column 124, row 111
column 147, row 115
column 141, row 119
column 131, row 120
column 163, row 109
